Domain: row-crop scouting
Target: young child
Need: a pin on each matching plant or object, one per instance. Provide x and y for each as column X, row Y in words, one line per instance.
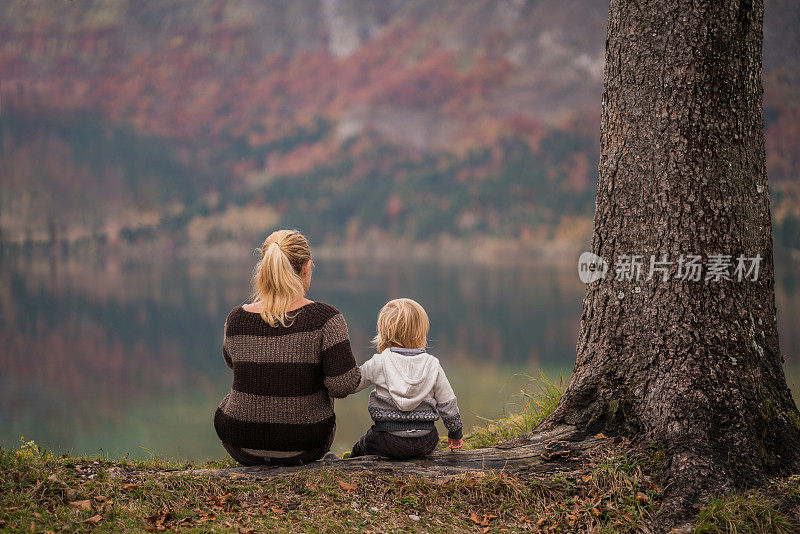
column 411, row 389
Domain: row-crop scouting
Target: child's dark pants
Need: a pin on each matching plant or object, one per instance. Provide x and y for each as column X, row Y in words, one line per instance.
column 395, row 447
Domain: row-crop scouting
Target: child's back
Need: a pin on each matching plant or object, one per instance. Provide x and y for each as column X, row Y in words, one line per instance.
column 411, row 389
column 411, row 392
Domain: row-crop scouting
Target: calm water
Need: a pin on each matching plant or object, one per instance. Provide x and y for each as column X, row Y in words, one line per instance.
column 123, row 357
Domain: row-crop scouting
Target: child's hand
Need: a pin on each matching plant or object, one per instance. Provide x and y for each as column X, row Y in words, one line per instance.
column 455, row 443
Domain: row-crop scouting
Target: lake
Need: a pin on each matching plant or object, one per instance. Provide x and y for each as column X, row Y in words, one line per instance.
column 123, row 357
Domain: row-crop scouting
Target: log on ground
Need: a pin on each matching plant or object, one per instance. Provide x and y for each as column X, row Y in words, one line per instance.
column 560, row 449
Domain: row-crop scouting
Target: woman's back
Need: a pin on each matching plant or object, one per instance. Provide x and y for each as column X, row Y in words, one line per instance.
column 284, row 377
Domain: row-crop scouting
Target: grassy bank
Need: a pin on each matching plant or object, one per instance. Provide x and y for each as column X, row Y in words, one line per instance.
column 617, row 490
column 538, row 400
column 42, row 492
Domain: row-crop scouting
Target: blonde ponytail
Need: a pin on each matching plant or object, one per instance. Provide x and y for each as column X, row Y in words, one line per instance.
column 276, row 281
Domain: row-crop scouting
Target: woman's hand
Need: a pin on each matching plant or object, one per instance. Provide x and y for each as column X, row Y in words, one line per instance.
column 455, row 443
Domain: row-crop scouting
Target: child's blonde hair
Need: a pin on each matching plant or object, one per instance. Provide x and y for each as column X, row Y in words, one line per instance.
column 402, row 323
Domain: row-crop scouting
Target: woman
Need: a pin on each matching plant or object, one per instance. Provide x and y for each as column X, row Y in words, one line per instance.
column 289, row 356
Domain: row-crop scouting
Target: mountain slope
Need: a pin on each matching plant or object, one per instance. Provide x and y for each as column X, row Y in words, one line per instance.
column 406, row 118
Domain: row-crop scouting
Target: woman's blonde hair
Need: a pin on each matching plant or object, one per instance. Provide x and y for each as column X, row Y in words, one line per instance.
column 402, row 323
column 276, row 279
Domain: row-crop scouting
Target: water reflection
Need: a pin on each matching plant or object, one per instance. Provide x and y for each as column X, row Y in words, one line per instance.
column 124, row 356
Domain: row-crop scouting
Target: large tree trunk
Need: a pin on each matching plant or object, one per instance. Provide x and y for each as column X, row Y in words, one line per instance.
column 693, row 365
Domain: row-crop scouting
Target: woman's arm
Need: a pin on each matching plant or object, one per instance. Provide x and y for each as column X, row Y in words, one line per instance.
column 225, row 354
column 338, row 364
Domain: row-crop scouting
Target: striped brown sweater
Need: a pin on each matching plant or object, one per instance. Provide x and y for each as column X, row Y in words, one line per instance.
column 284, row 378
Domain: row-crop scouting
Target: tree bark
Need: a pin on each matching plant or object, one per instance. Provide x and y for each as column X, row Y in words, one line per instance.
column 693, row 365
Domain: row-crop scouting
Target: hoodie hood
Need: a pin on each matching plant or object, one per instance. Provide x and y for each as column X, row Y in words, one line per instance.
column 409, row 378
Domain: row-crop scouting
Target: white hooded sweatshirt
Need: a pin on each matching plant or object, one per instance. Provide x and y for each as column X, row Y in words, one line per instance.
column 411, row 391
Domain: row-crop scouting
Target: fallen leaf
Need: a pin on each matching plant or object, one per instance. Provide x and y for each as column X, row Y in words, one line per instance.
column 541, row 521
column 53, row 478
column 600, row 436
column 641, row 497
column 221, row 501
column 474, row 518
column 596, row 511
column 159, row 519
column 313, row 487
column 524, row 519
column 277, row 510
column 128, row 487
column 586, row 478
column 82, row 505
column 347, row 486
column 94, row 519
column 628, row 517
column 485, row 530
column 487, row 518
